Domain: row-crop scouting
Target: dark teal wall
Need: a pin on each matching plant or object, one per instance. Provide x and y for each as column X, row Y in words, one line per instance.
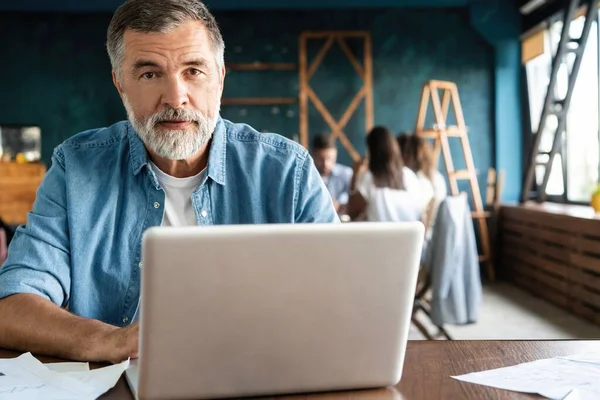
column 501, row 26
column 409, row 48
column 111, row 5
column 56, row 73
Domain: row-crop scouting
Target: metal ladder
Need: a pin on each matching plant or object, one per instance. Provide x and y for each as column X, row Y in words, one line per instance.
column 554, row 106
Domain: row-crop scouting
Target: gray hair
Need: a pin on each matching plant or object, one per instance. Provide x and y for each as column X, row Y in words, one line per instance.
column 159, row 16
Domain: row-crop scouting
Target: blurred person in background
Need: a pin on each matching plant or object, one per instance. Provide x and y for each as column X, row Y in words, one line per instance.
column 336, row 176
column 418, row 156
column 383, row 189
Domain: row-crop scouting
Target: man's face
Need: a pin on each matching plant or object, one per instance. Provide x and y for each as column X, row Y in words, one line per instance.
column 325, row 160
column 171, row 87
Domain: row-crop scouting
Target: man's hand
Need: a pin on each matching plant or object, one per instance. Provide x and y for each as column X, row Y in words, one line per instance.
column 35, row 324
column 119, row 344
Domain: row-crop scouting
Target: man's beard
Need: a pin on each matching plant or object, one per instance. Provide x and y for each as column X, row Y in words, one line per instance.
column 173, row 144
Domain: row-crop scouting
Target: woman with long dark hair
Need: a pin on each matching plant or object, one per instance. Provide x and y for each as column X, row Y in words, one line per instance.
column 418, row 156
column 382, row 188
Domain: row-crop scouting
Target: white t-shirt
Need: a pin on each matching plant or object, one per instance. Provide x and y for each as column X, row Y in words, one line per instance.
column 179, row 210
column 391, row 205
column 435, row 189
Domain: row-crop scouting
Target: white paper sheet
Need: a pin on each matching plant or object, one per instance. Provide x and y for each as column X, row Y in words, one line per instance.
column 102, row 379
column 554, row 378
column 585, row 392
column 25, row 377
column 68, row 366
column 592, row 357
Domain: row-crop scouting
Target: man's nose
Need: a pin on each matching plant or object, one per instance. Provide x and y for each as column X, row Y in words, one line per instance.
column 175, row 94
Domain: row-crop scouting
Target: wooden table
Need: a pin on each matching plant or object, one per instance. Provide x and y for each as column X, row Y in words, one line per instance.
column 428, row 367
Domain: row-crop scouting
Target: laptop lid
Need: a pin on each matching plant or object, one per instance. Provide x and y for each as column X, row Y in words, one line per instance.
column 230, row 311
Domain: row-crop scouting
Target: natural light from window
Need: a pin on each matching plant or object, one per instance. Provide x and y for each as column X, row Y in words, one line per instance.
column 582, row 144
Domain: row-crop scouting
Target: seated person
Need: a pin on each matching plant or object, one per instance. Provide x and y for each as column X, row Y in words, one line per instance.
column 418, row 156
column 382, row 187
column 336, row 176
column 174, row 162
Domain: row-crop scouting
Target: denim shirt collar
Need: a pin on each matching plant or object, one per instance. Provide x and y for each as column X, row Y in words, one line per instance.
column 216, row 156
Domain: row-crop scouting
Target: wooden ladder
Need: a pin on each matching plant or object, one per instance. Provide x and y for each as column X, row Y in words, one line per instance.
column 440, row 133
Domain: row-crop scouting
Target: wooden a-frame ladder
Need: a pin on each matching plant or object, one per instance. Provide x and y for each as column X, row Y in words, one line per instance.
column 440, row 132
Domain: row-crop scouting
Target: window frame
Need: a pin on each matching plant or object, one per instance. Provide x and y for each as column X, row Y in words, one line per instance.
column 564, row 197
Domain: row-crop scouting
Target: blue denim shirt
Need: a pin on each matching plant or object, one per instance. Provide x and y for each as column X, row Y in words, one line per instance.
column 81, row 245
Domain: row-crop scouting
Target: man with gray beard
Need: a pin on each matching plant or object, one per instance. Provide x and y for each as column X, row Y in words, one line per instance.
column 174, row 162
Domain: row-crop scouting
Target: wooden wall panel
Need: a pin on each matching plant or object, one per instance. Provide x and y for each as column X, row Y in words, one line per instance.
column 553, row 253
column 18, row 187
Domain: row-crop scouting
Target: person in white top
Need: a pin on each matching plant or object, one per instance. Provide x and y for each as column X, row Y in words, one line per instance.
column 382, row 188
column 418, row 156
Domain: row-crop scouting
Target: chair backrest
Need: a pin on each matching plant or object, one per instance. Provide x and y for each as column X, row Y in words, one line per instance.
column 452, row 218
column 453, row 263
column 495, row 185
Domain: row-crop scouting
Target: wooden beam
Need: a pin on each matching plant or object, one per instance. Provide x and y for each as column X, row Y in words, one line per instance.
column 422, row 116
column 344, row 46
column 437, row 108
column 443, row 85
column 322, row 109
column 336, row 129
column 368, row 81
column 446, row 104
column 303, row 97
column 352, row 107
column 319, row 58
column 308, row 95
column 348, row 146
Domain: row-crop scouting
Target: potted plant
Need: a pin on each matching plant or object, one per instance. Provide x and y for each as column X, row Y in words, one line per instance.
column 596, row 199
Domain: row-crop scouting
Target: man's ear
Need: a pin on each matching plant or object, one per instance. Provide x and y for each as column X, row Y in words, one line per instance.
column 222, row 78
column 117, row 83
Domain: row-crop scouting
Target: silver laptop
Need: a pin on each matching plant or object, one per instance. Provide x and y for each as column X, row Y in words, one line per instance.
column 253, row 310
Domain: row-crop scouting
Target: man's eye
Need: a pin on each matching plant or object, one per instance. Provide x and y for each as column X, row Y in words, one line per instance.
column 148, row 75
column 195, row 72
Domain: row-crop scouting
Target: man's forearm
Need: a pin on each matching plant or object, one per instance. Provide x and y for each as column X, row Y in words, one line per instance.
column 32, row 323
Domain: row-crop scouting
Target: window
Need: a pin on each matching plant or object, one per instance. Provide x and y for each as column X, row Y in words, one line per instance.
column 574, row 180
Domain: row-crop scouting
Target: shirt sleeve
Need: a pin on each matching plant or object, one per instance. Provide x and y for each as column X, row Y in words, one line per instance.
column 38, row 259
column 312, row 200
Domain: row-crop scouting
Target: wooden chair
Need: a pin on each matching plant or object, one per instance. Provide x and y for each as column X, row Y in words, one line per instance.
column 495, row 185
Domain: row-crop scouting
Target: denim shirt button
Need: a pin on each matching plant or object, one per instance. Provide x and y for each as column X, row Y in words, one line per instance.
column 125, row 319
column 204, row 213
column 156, row 204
